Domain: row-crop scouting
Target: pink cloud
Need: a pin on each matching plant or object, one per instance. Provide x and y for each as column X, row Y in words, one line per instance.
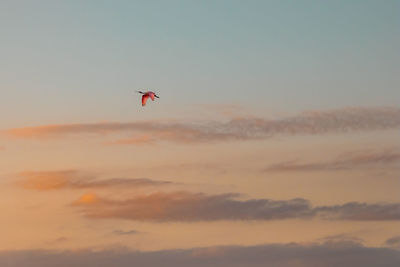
column 309, row 123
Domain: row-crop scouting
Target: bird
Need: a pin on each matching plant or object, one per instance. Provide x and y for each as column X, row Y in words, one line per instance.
column 146, row 95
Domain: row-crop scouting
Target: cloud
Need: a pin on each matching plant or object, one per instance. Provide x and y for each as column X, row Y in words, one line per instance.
column 139, row 140
column 55, row 180
column 277, row 255
column 59, row 240
column 361, row 211
column 344, row 162
column 343, row 238
column 130, row 232
column 309, row 123
column 159, row 130
column 187, row 206
column 393, row 242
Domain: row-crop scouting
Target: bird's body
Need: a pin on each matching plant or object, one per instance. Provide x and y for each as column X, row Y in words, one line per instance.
column 146, row 95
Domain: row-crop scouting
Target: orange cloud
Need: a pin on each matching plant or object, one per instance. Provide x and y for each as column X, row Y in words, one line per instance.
column 57, row 130
column 88, row 199
column 49, row 180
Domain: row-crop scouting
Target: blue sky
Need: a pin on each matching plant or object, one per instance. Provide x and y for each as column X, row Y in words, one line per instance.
column 82, row 61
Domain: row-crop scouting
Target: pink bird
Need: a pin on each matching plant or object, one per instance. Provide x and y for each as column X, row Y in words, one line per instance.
column 146, row 95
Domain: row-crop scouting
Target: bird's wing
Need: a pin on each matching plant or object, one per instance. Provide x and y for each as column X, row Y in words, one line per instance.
column 152, row 96
column 144, row 99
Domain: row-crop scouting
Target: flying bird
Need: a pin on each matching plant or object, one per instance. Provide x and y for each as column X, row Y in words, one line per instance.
column 146, row 95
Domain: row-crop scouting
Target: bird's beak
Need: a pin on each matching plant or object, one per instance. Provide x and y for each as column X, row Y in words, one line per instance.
column 157, row 96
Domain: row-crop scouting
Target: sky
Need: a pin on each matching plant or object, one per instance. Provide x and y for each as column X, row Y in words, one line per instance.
column 275, row 140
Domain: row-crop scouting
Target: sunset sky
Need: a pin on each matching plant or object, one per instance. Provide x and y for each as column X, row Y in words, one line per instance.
column 275, row 141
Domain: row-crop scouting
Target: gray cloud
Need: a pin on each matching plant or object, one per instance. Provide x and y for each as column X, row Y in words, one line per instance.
column 55, row 180
column 393, row 242
column 277, row 255
column 344, row 162
column 186, row 206
column 121, row 232
column 310, row 123
column 361, row 211
column 343, row 238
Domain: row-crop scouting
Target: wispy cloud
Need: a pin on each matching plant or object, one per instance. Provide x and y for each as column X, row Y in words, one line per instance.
column 137, row 140
column 278, row 255
column 344, row 162
column 342, row 239
column 361, row 211
column 187, row 206
column 73, row 179
column 309, row 123
column 129, row 232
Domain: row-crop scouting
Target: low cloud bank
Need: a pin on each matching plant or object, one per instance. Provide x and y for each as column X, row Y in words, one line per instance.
column 277, row 255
